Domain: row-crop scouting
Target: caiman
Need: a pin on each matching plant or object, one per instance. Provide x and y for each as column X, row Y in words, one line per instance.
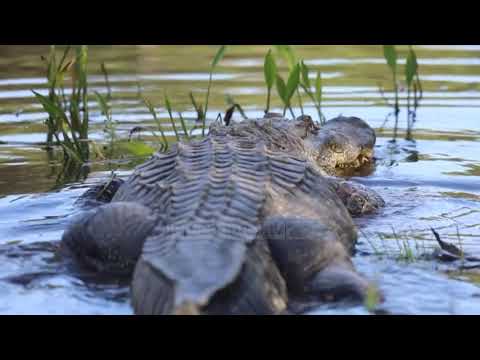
column 246, row 220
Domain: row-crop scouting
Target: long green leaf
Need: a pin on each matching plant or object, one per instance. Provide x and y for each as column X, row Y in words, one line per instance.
column 198, row 108
column 219, row 56
column 270, row 69
column 52, row 68
column 293, row 81
column 184, row 127
column 305, row 72
column 287, row 53
column 410, row 68
column 390, row 55
column 103, row 104
column 152, row 111
column 172, row 120
column 48, row 105
column 282, row 90
column 318, row 87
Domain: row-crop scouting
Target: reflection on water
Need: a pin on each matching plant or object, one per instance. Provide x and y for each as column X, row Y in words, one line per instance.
column 429, row 182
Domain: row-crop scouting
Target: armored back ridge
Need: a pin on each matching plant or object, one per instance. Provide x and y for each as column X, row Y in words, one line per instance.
column 216, row 209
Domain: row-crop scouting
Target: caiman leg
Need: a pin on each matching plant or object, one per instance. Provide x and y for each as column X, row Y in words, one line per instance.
column 357, row 198
column 315, row 265
column 109, row 239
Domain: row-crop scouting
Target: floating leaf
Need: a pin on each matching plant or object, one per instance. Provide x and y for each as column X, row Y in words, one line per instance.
column 318, row 87
column 218, row 57
column 305, row 79
column 282, row 89
column 390, row 55
column 270, row 69
column 293, row 81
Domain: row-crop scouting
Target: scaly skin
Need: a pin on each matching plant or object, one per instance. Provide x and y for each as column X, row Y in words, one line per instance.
column 238, row 222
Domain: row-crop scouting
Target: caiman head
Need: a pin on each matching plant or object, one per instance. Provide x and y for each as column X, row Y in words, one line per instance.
column 341, row 143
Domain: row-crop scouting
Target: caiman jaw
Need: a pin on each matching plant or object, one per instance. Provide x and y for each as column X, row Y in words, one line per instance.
column 359, row 162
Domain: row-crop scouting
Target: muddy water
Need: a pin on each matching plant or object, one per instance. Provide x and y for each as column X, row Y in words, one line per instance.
column 432, row 181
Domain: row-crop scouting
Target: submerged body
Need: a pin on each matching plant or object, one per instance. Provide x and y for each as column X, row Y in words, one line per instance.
column 239, row 222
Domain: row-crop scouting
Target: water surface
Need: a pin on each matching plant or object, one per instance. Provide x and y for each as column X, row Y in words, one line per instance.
column 430, row 182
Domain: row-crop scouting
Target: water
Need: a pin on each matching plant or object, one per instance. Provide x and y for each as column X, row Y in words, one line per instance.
column 430, row 182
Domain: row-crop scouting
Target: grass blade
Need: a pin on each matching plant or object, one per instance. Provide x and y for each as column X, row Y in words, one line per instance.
column 270, row 69
column 287, row 53
column 410, row 68
column 318, row 87
column 169, row 109
column 282, row 90
column 293, row 81
column 390, row 55
column 305, row 78
column 218, row 56
column 152, row 111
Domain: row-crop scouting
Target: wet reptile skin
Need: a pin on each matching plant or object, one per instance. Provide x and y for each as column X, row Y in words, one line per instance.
column 237, row 222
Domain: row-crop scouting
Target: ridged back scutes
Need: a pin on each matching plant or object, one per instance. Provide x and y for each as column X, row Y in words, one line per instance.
column 273, row 132
column 212, row 214
column 289, row 173
column 150, row 182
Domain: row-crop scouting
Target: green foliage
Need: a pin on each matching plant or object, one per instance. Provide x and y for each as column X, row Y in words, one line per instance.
column 218, row 57
column 270, row 71
column 306, row 85
column 151, row 109
column 172, row 120
column 107, row 82
column 390, row 55
column 287, row 53
column 110, row 126
column 293, row 81
column 411, row 67
column 282, row 89
column 305, row 75
column 318, row 87
column 136, row 148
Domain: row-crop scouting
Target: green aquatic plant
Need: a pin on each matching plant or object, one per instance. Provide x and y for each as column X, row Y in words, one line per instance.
column 218, row 57
column 286, row 91
column 151, row 109
column 414, row 85
column 232, row 103
column 70, row 131
column 172, row 120
column 291, row 59
column 390, row 55
column 270, row 72
column 316, row 95
column 110, row 125
column 107, row 81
